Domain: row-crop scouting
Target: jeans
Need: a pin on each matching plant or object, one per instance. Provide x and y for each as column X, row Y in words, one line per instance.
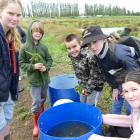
column 91, row 99
column 38, row 95
column 117, row 106
column 6, row 112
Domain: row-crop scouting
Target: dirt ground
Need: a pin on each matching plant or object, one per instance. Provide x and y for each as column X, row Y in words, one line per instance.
column 22, row 123
column 22, row 129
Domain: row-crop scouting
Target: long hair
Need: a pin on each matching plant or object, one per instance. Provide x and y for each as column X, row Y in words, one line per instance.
column 133, row 76
column 12, row 35
column 4, row 3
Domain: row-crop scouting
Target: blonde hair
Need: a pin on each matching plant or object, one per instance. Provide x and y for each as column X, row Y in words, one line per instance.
column 4, row 3
column 12, row 33
column 14, row 36
column 38, row 26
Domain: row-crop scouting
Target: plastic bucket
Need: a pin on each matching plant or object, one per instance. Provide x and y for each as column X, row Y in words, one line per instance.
column 62, row 87
column 70, row 112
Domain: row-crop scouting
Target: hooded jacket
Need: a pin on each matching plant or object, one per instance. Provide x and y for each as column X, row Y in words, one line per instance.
column 35, row 77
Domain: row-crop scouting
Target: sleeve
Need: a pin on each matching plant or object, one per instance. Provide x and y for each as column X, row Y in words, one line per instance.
column 24, row 63
column 136, row 134
column 95, row 79
column 128, row 61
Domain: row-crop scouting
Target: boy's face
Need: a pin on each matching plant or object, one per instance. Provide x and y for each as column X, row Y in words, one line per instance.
column 73, row 48
column 36, row 35
column 96, row 46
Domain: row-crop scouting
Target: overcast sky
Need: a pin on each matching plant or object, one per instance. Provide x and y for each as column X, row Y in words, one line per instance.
column 128, row 4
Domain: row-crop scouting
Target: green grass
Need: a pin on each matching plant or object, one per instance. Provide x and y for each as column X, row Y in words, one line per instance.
column 57, row 51
column 55, row 31
column 23, row 113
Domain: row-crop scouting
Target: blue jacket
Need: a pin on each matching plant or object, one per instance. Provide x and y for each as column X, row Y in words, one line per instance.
column 8, row 80
column 112, row 61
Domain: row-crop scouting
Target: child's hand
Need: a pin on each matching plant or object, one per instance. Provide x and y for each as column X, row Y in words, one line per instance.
column 43, row 68
column 38, row 66
column 85, row 93
column 115, row 94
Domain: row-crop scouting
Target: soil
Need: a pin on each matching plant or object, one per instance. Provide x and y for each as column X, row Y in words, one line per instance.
column 21, row 127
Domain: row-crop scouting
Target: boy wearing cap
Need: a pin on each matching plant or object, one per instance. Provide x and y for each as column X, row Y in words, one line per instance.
column 86, row 70
column 110, row 62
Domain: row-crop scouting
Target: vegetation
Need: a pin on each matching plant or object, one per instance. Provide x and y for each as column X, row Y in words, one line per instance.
column 43, row 9
column 57, row 29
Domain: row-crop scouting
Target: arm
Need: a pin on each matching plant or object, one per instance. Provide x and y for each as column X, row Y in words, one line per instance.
column 134, row 136
column 128, row 61
column 81, row 71
column 96, row 79
column 117, row 120
column 98, row 137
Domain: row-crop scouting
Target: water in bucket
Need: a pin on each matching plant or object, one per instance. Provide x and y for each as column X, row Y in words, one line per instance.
column 70, row 129
column 70, row 121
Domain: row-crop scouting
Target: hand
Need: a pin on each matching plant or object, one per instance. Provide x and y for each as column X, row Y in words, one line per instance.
column 85, row 93
column 43, row 68
column 38, row 66
column 115, row 94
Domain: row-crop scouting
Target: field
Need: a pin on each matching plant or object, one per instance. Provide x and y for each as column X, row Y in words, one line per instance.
column 55, row 31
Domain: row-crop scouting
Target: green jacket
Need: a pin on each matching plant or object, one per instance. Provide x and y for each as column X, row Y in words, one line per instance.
column 35, row 77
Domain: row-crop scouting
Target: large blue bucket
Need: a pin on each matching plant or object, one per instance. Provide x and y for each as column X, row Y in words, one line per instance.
column 70, row 112
column 62, row 87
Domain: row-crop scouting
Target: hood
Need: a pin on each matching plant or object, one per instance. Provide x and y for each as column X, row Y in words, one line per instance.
column 30, row 41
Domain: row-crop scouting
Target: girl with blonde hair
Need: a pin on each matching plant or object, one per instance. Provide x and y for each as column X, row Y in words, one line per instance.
column 10, row 12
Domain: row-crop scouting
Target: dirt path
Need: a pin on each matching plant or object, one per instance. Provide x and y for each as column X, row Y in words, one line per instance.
column 21, row 128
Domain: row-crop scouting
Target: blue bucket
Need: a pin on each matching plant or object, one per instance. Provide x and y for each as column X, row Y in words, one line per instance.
column 62, row 87
column 70, row 112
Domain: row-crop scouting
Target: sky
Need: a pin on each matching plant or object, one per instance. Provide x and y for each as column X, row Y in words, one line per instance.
column 128, row 4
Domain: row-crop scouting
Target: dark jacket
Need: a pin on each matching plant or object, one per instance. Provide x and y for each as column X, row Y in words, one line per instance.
column 8, row 80
column 111, row 62
column 35, row 77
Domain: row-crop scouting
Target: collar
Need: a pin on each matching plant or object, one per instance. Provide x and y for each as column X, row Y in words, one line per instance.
column 104, row 50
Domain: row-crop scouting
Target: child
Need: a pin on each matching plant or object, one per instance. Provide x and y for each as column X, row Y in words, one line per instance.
column 36, row 61
column 10, row 12
column 131, row 92
column 86, row 70
column 111, row 62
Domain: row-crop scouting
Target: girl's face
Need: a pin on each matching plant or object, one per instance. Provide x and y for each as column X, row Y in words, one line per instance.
column 96, row 46
column 10, row 15
column 131, row 92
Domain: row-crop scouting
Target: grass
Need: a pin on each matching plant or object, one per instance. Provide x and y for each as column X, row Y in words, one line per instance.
column 23, row 113
column 55, row 31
